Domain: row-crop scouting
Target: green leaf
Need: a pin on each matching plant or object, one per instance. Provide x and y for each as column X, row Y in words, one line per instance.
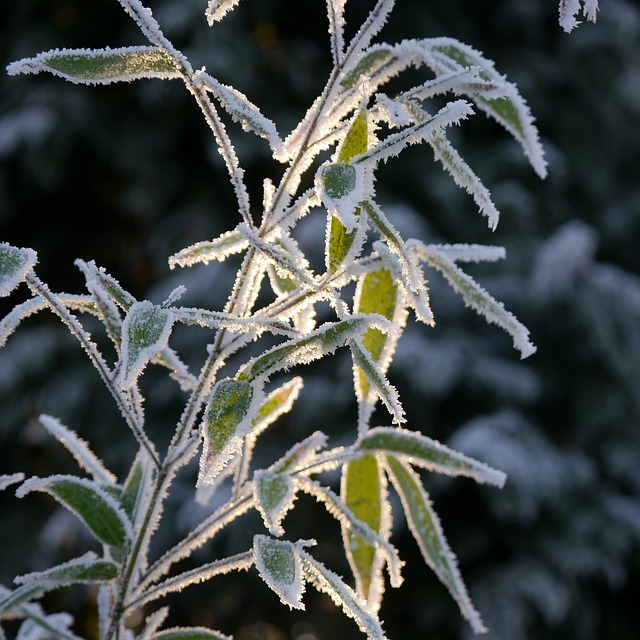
column 232, row 406
column 189, row 633
column 85, row 569
column 426, row 529
column 101, row 66
column 94, row 506
column 278, row 564
column 217, row 249
column 145, row 333
column 15, row 263
column 313, row 346
column 364, row 494
column 367, row 65
column 339, row 242
column 339, row 180
column 357, row 139
column 274, row 494
column 430, row 454
column 276, row 404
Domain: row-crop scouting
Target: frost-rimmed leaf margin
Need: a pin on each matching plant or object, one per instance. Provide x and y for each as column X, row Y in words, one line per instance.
column 86, row 499
column 190, row 633
column 279, row 565
column 101, row 66
column 15, row 264
column 427, row 530
column 424, row 452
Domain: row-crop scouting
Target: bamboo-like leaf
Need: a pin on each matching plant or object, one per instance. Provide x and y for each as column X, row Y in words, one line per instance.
column 83, row 570
column 278, row 563
column 87, row 500
column 351, row 603
column 424, row 452
column 301, row 453
column 426, row 529
column 274, row 494
column 232, row 406
column 101, row 66
column 243, row 111
column 510, row 110
column 367, row 65
column 476, row 297
column 15, row 263
column 219, row 249
column 145, row 333
column 316, row 344
column 568, row 9
column 218, row 9
column 363, row 491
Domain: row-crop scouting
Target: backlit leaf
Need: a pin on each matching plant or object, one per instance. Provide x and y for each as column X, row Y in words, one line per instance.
column 101, row 66
column 426, row 529
column 14, row 265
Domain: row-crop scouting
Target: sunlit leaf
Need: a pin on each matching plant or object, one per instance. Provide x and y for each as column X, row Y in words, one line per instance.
column 430, row 454
column 426, row 529
column 14, row 265
column 189, row 633
column 85, row 569
column 145, row 333
column 278, row 563
column 274, row 494
column 94, row 506
column 101, row 66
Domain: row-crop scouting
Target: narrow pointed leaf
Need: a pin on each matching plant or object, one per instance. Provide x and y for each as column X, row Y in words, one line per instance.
column 15, row 263
column 364, row 493
column 218, row 9
column 424, row 452
column 367, row 65
column 83, row 570
column 94, row 506
column 232, row 406
column 426, row 529
column 101, row 66
column 278, row 563
column 351, row 603
column 318, row 343
column 218, row 249
column 8, row 480
column 145, row 333
column 476, row 297
column 277, row 403
column 301, row 453
column 274, row 494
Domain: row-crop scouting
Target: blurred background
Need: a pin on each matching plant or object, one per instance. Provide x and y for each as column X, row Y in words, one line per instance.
column 128, row 174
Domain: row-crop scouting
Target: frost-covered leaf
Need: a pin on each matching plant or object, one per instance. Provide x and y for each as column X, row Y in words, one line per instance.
column 342, row 245
column 218, row 9
column 475, row 296
column 40, row 626
column 426, row 529
column 274, row 494
column 351, row 603
column 335, row 12
column 424, row 452
column 370, row 28
column 470, row 252
column 190, row 633
column 152, row 623
column 404, row 267
column 446, row 54
column 377, row 292
column 367, row 65
column 145, row 333
column 232, row 406
column 568, row 9
column 278, row 563
column 465, row 178
column 83, row 570
column 217, row 249
column 315, row 345
column 243, row 111
column 363, row 491
column 78, row 448
column 376, row 381
column 15, row 263
column 133, row 491
column 8, row 480
column 301, row 454
column 87, row 500
column 452, row 113
column 101, row 66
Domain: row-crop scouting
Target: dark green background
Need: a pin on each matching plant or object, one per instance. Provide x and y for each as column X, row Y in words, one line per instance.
column 128, row 174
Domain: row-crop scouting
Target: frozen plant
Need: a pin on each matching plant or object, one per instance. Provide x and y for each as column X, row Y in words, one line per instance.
column 346, row 133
